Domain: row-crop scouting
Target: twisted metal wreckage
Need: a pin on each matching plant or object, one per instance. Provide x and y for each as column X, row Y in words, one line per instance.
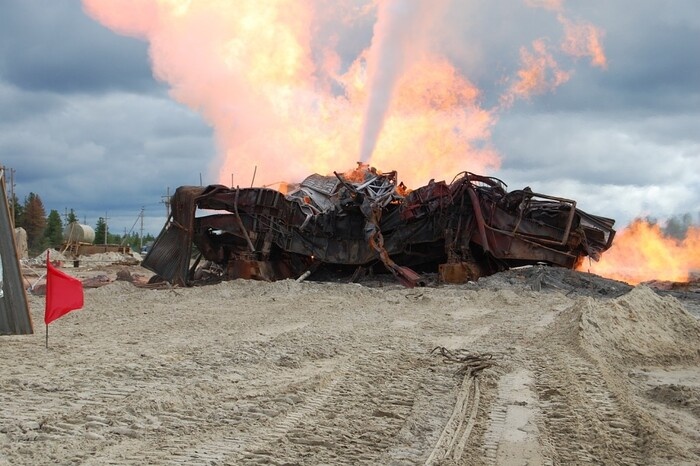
column 364, row 220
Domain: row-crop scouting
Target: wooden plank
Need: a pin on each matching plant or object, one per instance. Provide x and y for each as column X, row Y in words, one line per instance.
column 15, row 318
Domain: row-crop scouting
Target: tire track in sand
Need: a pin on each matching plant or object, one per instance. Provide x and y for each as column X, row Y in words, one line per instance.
column 359, row 411
column 584, row 420
column 513, row 436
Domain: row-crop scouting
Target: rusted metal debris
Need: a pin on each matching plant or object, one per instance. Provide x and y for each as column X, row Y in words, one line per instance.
column 364, row 220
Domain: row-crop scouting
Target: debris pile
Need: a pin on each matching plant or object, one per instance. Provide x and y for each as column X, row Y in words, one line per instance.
column 572, row 283
column 366, row 220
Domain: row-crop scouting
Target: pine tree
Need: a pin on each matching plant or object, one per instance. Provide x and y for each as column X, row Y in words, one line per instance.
column 100, row 231
column 54, row 229
column 34, row 222
column 72, row 217
column 18, row 209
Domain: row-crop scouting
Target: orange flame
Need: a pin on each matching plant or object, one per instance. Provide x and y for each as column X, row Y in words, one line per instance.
column 400, row 35
column 359, row 173
column 641, row 252
column 540, row 73
column 273, row 99
column 269, row 78
column 583, row 40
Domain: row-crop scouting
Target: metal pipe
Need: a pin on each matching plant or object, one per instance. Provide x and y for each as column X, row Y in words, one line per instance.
column 569, row 223
column 240, row 222
column 255, row 171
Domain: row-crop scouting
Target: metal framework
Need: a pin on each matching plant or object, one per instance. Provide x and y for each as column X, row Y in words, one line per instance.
column 465, row 229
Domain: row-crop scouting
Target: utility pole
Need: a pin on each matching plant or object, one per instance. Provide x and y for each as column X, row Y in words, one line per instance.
column 141, row 235
column 106, row 227
column 166, row 201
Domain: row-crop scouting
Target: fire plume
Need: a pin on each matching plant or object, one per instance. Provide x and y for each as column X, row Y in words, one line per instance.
column 583, row 40
column 400, row 34
column 641, row 252
column 290, row 88
column 540, row 73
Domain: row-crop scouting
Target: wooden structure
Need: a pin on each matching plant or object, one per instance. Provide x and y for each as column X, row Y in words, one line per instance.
column 15, row 318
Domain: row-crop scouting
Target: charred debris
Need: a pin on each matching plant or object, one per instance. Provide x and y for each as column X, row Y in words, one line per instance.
column 364, row 221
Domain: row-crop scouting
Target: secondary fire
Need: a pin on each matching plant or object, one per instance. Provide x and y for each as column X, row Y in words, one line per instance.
column 641, row 252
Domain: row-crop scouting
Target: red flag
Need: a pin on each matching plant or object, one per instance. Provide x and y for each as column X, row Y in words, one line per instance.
column 63, row 293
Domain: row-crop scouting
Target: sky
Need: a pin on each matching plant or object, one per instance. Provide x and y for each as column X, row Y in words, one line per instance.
column 105, row 120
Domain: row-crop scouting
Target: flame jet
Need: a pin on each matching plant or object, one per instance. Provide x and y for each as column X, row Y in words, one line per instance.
column 400, row 33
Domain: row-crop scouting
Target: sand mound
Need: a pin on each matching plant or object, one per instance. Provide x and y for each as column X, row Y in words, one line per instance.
column 108, row 258
column 55, row 256
column 640, row 327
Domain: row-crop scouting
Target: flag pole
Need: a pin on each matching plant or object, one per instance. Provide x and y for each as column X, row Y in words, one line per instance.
column 47, row 296
column 63, row 294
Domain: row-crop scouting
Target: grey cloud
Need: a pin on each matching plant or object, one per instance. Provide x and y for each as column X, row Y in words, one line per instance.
column 595, row 147
column 53, row 46
column 18, row 105
column 653, row 64
column 114, row 153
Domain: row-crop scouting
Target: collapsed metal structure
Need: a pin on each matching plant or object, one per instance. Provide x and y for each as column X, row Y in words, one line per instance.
column 365, row 219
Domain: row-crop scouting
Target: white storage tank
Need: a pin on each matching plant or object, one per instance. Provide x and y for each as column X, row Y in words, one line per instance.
column 74, row 232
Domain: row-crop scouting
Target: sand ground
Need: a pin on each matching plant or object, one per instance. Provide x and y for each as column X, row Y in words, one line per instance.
column 246, row 372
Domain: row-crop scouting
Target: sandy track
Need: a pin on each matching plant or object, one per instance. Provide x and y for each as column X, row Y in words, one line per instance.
column 314, row 373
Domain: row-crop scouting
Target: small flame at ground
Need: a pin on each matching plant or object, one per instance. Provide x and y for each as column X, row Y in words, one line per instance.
column 641, row 252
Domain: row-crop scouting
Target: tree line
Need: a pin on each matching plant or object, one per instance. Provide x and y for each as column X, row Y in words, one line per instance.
column 46, row 231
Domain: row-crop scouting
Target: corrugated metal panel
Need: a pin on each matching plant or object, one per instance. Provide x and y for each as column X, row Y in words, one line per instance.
column 170, row 255
column 166, row 255
column 15, row 318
